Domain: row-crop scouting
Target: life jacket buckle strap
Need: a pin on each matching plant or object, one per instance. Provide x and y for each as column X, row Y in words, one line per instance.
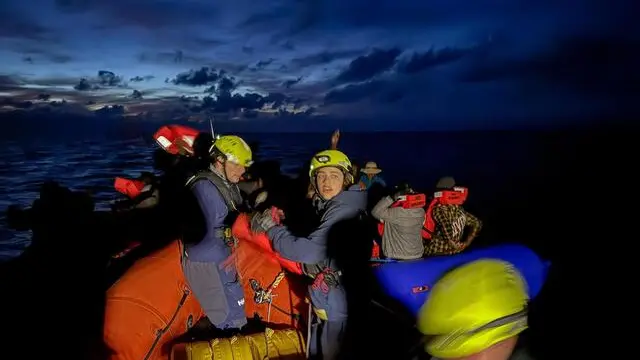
column 326, row 279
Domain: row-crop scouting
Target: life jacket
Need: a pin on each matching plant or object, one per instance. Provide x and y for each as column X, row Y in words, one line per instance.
column 135, row 191
column 150, row 306
column 411, row 201
column 261, row 272
column 128, row 187
column 456, row 196
column 176, row 139
column 230, row 194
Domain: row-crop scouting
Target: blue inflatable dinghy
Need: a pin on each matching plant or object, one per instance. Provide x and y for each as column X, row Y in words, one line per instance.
column 409, row 282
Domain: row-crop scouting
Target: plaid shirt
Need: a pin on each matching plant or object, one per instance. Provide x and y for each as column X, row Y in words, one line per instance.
column 451, row 222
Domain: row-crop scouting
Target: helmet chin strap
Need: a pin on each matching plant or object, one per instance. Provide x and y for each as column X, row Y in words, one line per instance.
column 222, row 173
column 315, row 187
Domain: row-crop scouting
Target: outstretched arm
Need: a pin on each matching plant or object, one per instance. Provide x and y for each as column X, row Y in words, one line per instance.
column 335, row 137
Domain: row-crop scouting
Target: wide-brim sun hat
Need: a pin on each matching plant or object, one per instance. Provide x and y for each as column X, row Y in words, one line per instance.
column 371, row 168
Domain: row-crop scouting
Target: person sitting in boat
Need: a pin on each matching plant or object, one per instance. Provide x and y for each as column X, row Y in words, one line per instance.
column 330, row 174
column 402, row 216
column 446, row 220
column 476, row 311
column 370, row 175
column 219, row 200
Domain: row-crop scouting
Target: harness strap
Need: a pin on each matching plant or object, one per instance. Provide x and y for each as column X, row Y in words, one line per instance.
column 262, row 296
column 229, row 192
column 326, row 279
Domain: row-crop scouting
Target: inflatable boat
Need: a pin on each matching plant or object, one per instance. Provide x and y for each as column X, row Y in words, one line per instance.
column 409, row 282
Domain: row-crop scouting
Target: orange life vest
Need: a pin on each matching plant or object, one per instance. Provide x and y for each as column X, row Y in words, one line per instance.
column 149, row 307
column 456, row 196
column 175, row 139
column 411, row 201
column 260, row 270
column 130, row 188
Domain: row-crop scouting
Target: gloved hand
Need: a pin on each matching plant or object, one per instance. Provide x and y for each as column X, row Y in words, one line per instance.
column 263, row 221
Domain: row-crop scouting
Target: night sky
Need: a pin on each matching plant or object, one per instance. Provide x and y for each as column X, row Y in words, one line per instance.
column 362, row 64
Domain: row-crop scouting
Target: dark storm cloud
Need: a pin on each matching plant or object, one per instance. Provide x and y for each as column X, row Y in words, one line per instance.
column 108, row 78
column 355, row 92
column 136, row 94
column 264, row 63
column 289, row 83
column 368, row 66
column 578, row 78
column 141, row 78
column 201, row 77
column 105, row 79
column 224, row 84
column 10, row 102
column 224, row 101
column 586, row 65
column 8, row 82
column 432, row 58
column 324, row 57
column 221, row 99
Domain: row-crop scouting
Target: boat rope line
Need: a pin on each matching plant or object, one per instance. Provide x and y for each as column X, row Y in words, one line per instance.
column 263, row 296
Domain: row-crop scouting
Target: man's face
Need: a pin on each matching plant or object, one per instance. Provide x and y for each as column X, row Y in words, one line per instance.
column 329, row 181
column 233, row 172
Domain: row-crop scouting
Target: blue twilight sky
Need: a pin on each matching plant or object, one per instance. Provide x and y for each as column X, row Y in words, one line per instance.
column 366, row 64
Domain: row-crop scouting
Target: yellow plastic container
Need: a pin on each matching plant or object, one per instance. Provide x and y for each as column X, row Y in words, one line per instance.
column 272, row 344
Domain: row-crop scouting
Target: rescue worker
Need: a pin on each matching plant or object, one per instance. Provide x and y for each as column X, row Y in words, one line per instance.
column 215, row 190
column 446, row 220
column 330, row 174
column 476, row 312
column 371, row 175
column 402, row 215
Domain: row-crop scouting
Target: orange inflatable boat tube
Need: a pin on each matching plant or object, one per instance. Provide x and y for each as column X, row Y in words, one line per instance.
column 149, row 307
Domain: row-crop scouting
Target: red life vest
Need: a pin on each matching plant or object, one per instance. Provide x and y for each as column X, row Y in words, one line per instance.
column 411, row 201
column 456, row 196
column 128, row 187
column 176, row 138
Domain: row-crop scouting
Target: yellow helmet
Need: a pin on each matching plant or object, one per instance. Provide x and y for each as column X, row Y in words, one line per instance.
column 330, row 158
column 234, row 149
column 472, row 308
